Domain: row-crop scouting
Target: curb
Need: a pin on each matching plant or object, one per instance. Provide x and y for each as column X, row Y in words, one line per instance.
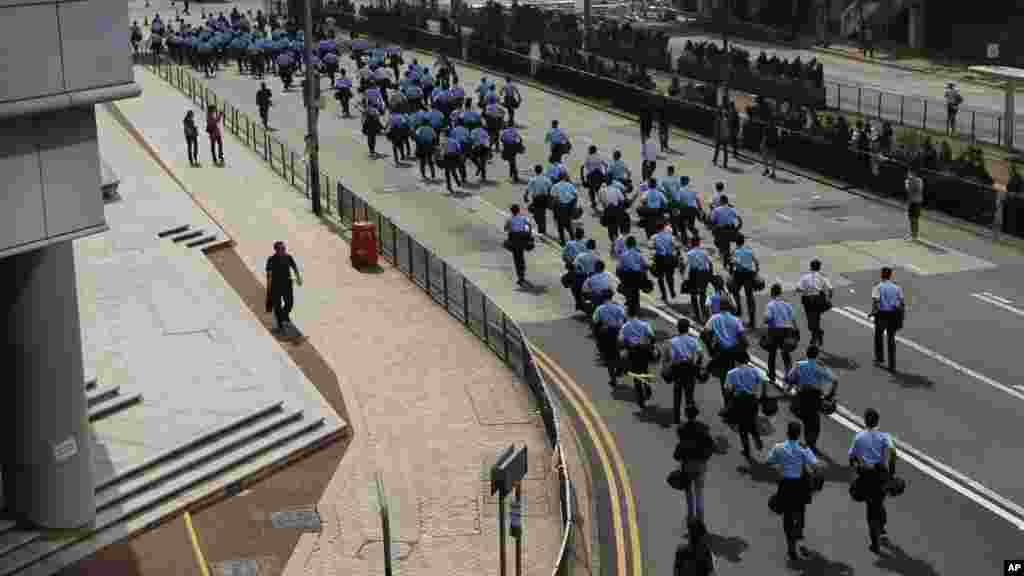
column 979, row 231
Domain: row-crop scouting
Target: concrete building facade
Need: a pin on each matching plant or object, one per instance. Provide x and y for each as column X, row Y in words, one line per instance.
column 59, row 59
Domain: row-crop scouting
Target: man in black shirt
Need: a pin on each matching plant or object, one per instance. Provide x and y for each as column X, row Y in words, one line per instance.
column 280, row 297
column 263, row 102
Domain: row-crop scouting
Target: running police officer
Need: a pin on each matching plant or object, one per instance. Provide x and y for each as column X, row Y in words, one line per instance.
column 665, row 261
column 637, row 338
column 741, row 384
column 520, row 237
column 615, row 216
column 816, row 295
column 698, row 273
column 873, row 456
column 725, row 223
column 565, row 196
column 594, row 168
column 793, row 494
column 609, row 318
column 726, row 341
column 887, row 307
column 744, row 275
column 538, row 197
column 632, row 272
column 511, row 147
column 683, row 361
column 599, row 287
column 808, row 379
column 781, row 333
column 584, row 265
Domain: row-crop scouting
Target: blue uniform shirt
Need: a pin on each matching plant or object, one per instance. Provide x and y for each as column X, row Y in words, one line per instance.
column 655, row 199
column 610, row 315
column 791, row 456
column 555, row 171
column 744, row 379
column 436, row 119
column 425, row 135
column 460, row 133
column 632, row 261
column 457, row 93
column 683, row 348
column 724, row 216
column 565, row 191
column 808, row 373
column 555, row 136
column 636, row 332
column 510, row 136
column 518, row 223
column 617, row 170
column 871, row 446
column 539, row 186
column 670, row 186
column 471, row 117
column 697, row 259
column 687, row 197
column 480, row 137
column 889, row 296
column 584, row 262
column 453, row 147
column 398, row 120
column 571, row 250
column 597, row 283
column 664, row 244
column 778, row 314
column 744, row 258
column 727, row 328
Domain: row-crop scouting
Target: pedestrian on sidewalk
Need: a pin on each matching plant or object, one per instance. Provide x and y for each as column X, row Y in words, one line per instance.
column 263, row 102
column 873, row 456
column 192, row 138
column 915, row 200
column 280, row 294
column 520, row 240
column 794, row 492
column 953, row 102
column 722, row 133
column 693, row 451
column 213, row 120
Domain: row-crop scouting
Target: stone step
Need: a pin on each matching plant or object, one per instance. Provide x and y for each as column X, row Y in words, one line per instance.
column 48, row 552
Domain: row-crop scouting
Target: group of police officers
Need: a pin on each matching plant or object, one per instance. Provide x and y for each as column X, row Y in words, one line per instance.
column 668, row 211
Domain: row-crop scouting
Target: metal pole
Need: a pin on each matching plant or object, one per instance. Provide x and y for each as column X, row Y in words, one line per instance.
column 924, row 116
column 501, row 531
column 519, row 535
column 312, row 138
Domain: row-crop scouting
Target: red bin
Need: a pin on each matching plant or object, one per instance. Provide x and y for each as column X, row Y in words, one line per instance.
column 364, row 244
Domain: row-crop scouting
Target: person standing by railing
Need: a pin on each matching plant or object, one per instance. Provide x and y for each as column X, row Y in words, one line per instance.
column 915, row 200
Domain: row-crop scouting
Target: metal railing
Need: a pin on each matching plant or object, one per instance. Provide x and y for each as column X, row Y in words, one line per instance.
column 441, row 281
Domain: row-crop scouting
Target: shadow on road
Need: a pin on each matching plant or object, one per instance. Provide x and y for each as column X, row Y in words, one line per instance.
column 895, row 560
column 816, row 564
column 907, row 380
column 728, row 548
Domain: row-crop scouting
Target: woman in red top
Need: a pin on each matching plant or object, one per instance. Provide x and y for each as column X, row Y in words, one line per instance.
column 213, row 120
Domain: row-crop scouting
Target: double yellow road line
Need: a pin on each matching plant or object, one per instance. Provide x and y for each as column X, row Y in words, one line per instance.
column 626, row 532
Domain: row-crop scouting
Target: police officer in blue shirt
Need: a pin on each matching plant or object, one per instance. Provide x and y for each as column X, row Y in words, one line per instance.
column 637, row 338
column 511, row 147
column 632, row 272
column 726, row 339
column 461, row 133
column 684, row 359
column 538, row 198
column 609, row 317
column 584, row 265
column 426, row 140
column 887, row 307
column 556, row 171
column 618, row 171
column 481, row 150
column 793, row 460
column 653, row 206
column 452, row 157
column 566, row 198
column 558, row 141
column 742, row 383
column 457, row 95
column 780, row 334
column 597, row 289
column 494, row 118
column 699, row 269
column 873, row 456
column 665, row 261
column 725, row 223
column 520, row 239
column 398, row 133
column 343, row 92
column 670, row 185
column 809, row 379
column 511, row 98
column 744, row 275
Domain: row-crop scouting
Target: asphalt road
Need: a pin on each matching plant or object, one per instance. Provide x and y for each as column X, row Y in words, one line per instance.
column 954, row 417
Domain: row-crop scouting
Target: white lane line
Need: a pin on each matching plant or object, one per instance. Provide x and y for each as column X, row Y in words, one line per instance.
column 782, row 216
column 944, row 474
column 999, row 304
column 861, row 318
column 1019, row 387
column 915, row 269
column 999, row 298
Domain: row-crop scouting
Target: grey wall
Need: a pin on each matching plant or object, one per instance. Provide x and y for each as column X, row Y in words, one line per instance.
column 50, row 176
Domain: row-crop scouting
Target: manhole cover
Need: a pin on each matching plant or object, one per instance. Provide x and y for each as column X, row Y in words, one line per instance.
column 306, row 519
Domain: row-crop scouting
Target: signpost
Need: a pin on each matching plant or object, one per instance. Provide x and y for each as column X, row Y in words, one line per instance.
column 507, row 474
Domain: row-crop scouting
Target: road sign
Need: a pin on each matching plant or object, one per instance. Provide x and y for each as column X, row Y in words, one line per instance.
column 993, row 50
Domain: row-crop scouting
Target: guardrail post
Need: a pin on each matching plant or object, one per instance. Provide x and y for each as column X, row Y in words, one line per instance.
column 394, row 236
column 839, row 97
column 283, row 165
column 426, row 274
column 526, row 356
column 293, row 167
column 380, row 237
column 483, row 306
column 444, row 282
column 411, row 264
column 974, row 117
column 879, row 105
column 860, row 93
column 924, row 116
column 504, row 334
column 465, row 302
column 999, row 130
column 903, row 99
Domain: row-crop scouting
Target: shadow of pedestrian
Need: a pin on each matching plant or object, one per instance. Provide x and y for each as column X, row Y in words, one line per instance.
column 833, row 472
column 838, row 362
column 531, row 288
column 655, row 414
column 734, row 170
column 759, row 472
column 815, row 564
column 624, row 391
column 907, row 380
column 894, row 559
column 729, row 548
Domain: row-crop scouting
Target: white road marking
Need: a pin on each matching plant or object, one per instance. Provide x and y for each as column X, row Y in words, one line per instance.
column 1000, row 298
column 999, row 304
column 915, row 269
column 861, row 318
column 782, row 216
column 944, row 474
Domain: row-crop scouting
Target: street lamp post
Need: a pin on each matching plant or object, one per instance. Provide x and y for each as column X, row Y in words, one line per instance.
column 312, row 112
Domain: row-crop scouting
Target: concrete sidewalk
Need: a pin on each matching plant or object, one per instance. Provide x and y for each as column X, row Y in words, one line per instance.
column 430, row 406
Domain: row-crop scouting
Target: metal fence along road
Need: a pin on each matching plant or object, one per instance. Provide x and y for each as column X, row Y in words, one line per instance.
column 445, row 285
column 920, row 113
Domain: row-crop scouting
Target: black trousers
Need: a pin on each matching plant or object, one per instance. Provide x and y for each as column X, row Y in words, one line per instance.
column 744, row 411
column 451, row 168
column 787, row 361
column 371, row 142
column 283, row 298
column 563, row 218
column 193, row 150
column 810, row 415
column 721, row 145
column 513, row 170
column 666, row 268
column 871, row 480
column 885, row 333
column 813, row 311
column 793, row 497
column 217, row 148
column 639, row 361
column 616, row 221
column 426, row 156
column 608, row 348
column 684, row 381
column 265, row 116
column 724, row 236
column 519, row 260
column 683, row 220
column 698, row 286
column 539, row 211
column 745, row 283
column 631, row 290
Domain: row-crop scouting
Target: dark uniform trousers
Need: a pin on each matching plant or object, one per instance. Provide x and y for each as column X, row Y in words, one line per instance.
column 665, row 267
column 813, row 309
column 872, row 483
column 793, row 497
column 631, row 281
column 639, row 360
column 282, row 296
column 684, row 219
column 608, row 347
column 809, row 399
column 743, row 410
column 744, row 281
column 698, row 286
column 684, row 379
column 885, row 333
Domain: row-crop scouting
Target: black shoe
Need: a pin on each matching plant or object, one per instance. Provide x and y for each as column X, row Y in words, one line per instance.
column 875, row 548
column 613, row 383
